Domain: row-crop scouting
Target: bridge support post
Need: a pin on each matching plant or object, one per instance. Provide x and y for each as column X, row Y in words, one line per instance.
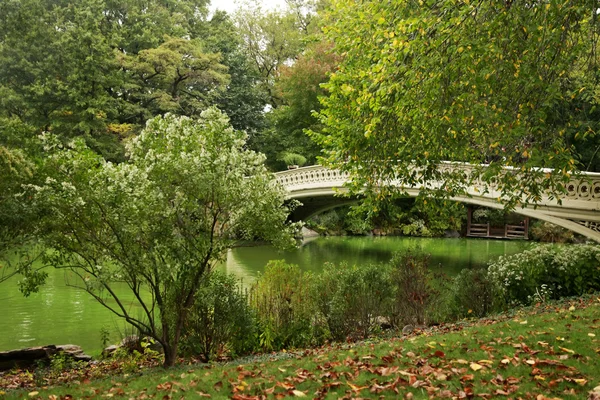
column 469, row 218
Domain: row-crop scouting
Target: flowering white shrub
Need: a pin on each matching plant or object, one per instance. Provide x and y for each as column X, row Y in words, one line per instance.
column 547, row 271
column 159, row 222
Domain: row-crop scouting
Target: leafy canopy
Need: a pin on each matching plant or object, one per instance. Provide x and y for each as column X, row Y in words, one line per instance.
column 484, row 82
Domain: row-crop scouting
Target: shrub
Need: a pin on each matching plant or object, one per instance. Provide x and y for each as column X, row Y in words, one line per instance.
column 352, row 299
column 546, row 232
column 414, row 288
column 280, row 298
column 220, row 320
column 547, row 270
column 416, row 227
column 328, row 222
column 292, row 159
column 473, row 293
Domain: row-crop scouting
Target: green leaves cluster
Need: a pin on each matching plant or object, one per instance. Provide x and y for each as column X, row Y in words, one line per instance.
column 490, row 82
column 99, row 69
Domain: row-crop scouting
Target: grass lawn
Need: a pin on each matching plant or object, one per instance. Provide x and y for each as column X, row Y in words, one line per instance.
column 545, row 352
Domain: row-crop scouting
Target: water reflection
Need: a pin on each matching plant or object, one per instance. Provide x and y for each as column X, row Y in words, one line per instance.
column 60, row 314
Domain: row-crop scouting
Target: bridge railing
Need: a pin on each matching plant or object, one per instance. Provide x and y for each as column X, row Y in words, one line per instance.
column 583, row 186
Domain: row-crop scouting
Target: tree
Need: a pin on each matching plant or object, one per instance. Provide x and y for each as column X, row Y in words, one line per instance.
column 274, row 38
column 159, row 222
column 484, row 82
column 244, row 99
column 177, row 76
column 17, row 248
column 299, row 86
column 99, row 69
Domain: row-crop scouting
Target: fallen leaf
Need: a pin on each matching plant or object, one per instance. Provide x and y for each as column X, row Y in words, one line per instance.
column 567, row 350
column 33, row 394
column 475, row 366
column 298, row 393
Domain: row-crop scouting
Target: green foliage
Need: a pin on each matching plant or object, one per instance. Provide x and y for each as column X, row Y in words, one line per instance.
column 484, row 82
column 104, row 337
column 177, row 76
column 414, row 290
column 474, row 294
column 547, row 272
column 547, row 232
column 400, row 217
column 220, row 321
column 283, row 306
column 293, row 159
column 15, row 170
column 60, row 362
column 273, row 38
column 244, row 100
column 299, row 87
column 328, row 222
column 100, row 69
column 160, row 221
column 18, row 251
column 351, row 298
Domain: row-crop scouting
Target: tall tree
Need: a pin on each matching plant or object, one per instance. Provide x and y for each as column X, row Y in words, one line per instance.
column 100, row 68
column 244, row 99
column 467, row 81
column 299, row 86
column 273, row 39
column 159, row 222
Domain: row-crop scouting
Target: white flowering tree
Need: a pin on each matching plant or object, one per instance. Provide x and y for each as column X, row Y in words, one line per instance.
column 161, row 221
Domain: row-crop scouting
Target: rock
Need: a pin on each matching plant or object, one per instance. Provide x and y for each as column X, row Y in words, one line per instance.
column 75, row 352
column 32, row 356
column 408, row 329
column 308, row 233
column 107, row 352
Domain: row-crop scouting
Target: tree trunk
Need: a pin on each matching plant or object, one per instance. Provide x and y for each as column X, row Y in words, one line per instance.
column 170, row 355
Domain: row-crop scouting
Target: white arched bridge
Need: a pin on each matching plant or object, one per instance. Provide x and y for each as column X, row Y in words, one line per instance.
column 578, row 210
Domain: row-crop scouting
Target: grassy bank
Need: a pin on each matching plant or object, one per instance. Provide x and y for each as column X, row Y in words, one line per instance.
column 548, row 351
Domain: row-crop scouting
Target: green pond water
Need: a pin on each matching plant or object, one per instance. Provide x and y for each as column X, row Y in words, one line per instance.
column 60, row 314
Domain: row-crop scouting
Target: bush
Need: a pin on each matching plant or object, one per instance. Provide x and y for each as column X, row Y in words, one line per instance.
column 474, row 294
column 220, row 320
column 546, row 232
column 547, row 271
column 352, row 299
column 414, row 288
column 280, row 298
column 328, row 222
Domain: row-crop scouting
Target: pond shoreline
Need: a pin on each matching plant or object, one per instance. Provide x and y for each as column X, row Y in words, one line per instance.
column 60, row 314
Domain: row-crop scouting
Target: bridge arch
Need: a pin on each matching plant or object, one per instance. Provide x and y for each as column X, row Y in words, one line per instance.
column 318, row 188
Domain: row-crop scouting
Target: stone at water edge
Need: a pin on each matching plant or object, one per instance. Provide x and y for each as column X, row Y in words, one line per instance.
column 31, row 356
